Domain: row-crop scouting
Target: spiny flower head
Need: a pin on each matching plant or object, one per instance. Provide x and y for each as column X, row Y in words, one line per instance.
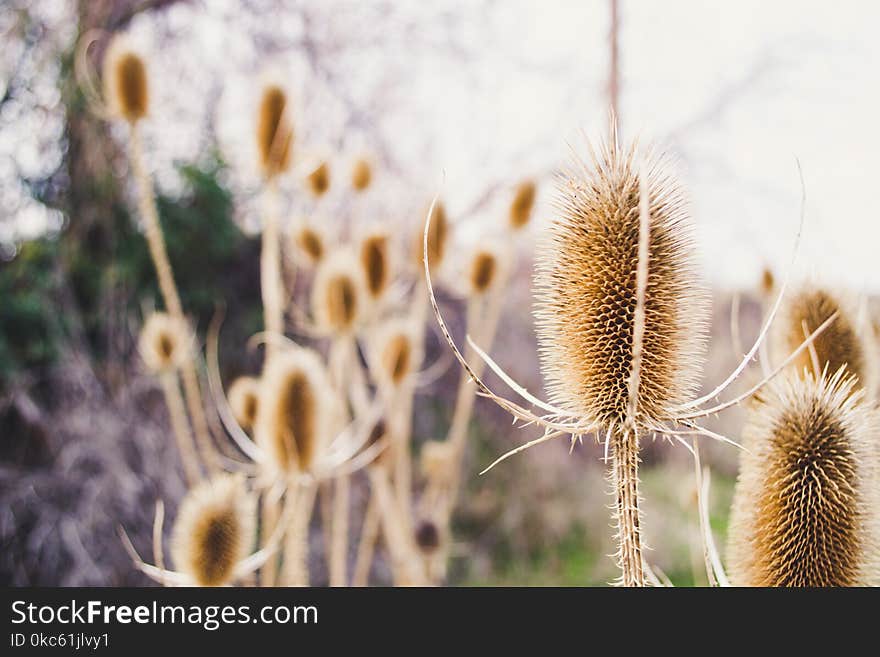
column 244, row 399
column 805, row 508
column 375, row 256
column 361, row 175
column 521, row 207
column 164, row 342
column 840, row 344
column 397, row 351
column 294, row 416
column 214, row 530
column 310, row 241
column 485, row 268
column 586, row 291
column 126, row 88
column 274, row 132
column 318, row 180
column 338, row 293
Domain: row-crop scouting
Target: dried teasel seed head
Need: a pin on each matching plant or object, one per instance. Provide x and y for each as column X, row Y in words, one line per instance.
column 361, row 175
column 397, row 352
column 842, row 343
column 338, row 293
column 164, row 342
column 244, row 399
column 375, row 261
column 213, row 531
column 586, row 291
column 318, row 180
column 768, row 282
column 805, row 507
column 274, row 132
column 294, row 415
column 521, row 207
column 427, row 536
column 485, row 269
column 438, row 236
column 310, row 242
column 126, row 88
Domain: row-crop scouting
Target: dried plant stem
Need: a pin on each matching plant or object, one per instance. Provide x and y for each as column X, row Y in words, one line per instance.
column 339, row 531
column 404, row 562
column 625, row 478
column 270, row 510
column 367, row 544
column 296, row 550
column 271, row 285
column 159, row 255
column 180, row 427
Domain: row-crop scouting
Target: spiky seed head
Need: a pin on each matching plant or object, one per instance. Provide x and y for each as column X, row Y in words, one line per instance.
column 805, row 506
column 397, row 351
column 294, row 415
column 586, row 291
column 310, row 242
column 318, row 179
column 768, row 282
column 274, row 132
column 338, row 293
column 164, row 342
column 485, row 269
column 437, row 461
column 438, row 235
column 361, row 175
column 244, row 399
column 840, row 344
column 521, row 207
column 126, row 88
column 375, row 261
column 427, row 536
column 213, row 531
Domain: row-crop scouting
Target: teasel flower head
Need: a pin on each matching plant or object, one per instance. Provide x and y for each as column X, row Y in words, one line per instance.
column 244, row 399
column 586, row 291
column 126, row 85
column 397, row 354
column 318, row 179
column 842, row 343
column 522, row 205
column 361, row 175
column 768, row 283
column 311, row 242
column 427, row 536
column 805, row 508
column 295, row 413
column 214, row 530
column 485, row 268
column 274, row 131
column 375, row 260
column 338, row 293
column 165, row 342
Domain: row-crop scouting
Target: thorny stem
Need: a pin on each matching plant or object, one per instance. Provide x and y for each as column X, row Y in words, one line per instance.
column 271, row 284
column 339, row 531
column 180, row 427
column 625, row 478
column 159, row 255
column 296, row 548
column 367, row 545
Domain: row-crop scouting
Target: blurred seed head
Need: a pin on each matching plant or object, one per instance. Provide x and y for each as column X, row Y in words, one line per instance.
column 839, row 344
column 295, row 410
column 338, row 293
column 486, row 268
column 361, row 175
column 805, row 508
column 318, row 180
column 375, row 262
column 244, row 399
column 164, row 342
column 398, row 354
column 310, row 242
column 586, row 291
column 126, row 88
column 214, row 530
column 521, row 207
column 768, row 282
column 427, row 536
column 274, row 132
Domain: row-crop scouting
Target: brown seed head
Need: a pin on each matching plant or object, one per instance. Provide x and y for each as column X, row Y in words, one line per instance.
column 311, row 243
column 338, row 293
column 374, row 256
column 274, row 132
column 244, row 399
column 523, row 202
column 805, row 507
column 586, row 292
column 126, row 88
column 319, row 179
column 213, row 531
column 164, row 342
column 839, row 344
column 396, row 351
column 427, row 536
column 295, row 408
column 483, row 272
column 768, row 282
column 361, row 175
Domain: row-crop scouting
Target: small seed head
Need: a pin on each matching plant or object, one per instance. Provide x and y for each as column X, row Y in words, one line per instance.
column 164, row 342
column 126, row 88
column 521, row 207
column 274, row 132
column 244, row 399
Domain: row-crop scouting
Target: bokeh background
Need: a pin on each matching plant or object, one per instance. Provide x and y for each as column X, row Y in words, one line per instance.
column 461, row 99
